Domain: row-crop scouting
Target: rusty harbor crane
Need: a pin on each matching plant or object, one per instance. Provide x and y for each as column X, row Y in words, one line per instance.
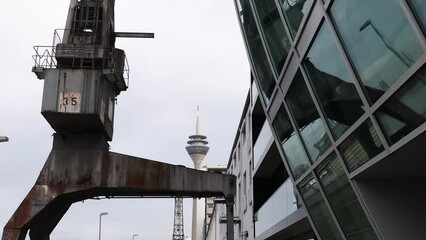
column 83, row 74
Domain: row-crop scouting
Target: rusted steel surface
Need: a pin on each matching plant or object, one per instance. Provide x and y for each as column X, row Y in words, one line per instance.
column 75, row 174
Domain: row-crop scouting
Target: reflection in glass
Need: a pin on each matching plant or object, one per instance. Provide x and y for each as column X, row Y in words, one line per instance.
column 419, row 9
column 294, row 11
column 307, row 118
column 362, row 145
column 263, row 71
column 343, row 200
column 290, row 143
column 280, row 205
column 272, row 26
column 332, row 83
column 379, row 40
column 317, row 209
column 406, row 109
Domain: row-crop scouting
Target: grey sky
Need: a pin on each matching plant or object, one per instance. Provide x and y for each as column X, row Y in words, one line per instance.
column 196, row 58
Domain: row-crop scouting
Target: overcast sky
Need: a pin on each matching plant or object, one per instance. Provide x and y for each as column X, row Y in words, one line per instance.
column 196, row 58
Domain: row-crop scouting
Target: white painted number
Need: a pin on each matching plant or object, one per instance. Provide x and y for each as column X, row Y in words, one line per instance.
column 69, row 102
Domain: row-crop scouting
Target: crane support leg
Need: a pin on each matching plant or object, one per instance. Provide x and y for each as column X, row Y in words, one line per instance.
column 230, row 218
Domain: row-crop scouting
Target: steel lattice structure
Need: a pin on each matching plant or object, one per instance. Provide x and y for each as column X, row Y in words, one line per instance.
column 178, row 220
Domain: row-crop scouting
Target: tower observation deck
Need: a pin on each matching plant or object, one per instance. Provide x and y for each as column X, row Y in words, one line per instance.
column 197, row 148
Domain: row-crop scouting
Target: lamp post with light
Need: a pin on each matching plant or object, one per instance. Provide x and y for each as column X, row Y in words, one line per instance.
column 134, row 235
column 404, row 59
column 100, row 222
column 4, row 139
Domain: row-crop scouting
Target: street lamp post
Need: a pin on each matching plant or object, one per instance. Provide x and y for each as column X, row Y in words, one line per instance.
column 4, row 139
column 100, row 222
column 404, row 59
column 134, row 235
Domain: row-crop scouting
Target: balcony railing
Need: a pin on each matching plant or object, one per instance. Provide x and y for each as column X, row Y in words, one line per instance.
column 262, row 142
column 280, row 205
column 82, row 52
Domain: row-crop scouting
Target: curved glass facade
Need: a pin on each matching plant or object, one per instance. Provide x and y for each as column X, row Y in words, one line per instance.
column 351, row 82
column 343, row 200
column 307, row 119
column 262, row 70
column 277, row 42
column 290, row 142
column 318, row 209
column 332, row 83
column 294, row 12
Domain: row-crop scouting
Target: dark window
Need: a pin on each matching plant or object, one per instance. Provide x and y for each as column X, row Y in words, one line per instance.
column 406, row 109
column 362, row 145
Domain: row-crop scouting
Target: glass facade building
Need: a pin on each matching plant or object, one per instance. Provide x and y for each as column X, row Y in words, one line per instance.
column 342, row 86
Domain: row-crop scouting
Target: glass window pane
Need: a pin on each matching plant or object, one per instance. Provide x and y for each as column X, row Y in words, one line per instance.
column 379, row 40
column 332, row 83
column 263, row 71
column 343, row 200
column 310, row 125
column 274, row 32
column 294, row 11
column 419, row 9
column 362, row 145
column 279, row 206
column 406, row 109
column 317, row 209
column 290, row 143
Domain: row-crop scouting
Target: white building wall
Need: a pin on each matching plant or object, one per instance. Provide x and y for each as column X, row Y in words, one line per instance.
column 217, row 231
column 246, row 203
column 241, row 166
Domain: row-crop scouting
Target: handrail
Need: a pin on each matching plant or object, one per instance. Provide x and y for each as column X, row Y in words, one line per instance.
column 80, row 49
column 78, row 34
column 43, row 57
column 81, row 57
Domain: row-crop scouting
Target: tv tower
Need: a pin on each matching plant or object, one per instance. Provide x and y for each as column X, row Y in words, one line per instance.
column 197, row 150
